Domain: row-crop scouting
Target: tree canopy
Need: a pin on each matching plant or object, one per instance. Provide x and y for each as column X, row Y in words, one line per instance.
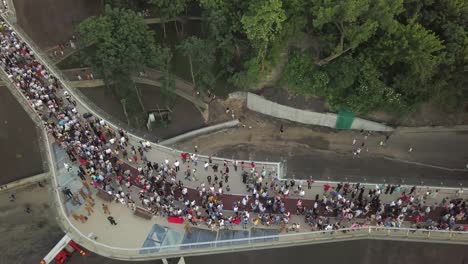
column 201, row 59
column 362, row 55
column 123, row 46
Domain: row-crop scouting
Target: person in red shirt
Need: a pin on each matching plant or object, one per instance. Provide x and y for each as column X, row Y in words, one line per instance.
column 326, row 187
column 183, row 156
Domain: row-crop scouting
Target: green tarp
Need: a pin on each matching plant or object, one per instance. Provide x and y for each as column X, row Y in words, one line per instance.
column 344, row 120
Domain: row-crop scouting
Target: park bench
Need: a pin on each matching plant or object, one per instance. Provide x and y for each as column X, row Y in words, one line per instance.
column 104, row 195
column 142, row 212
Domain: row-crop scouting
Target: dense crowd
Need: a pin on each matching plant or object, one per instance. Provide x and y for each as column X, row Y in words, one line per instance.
column 108, row 159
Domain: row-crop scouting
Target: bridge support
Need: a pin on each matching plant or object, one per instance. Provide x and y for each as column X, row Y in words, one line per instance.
column 180, row 260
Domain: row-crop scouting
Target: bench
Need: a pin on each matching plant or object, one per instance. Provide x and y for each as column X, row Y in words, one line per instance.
column 142, row 212
column 104, row 195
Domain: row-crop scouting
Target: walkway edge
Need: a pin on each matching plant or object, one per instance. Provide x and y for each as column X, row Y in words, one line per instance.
column 25, row 181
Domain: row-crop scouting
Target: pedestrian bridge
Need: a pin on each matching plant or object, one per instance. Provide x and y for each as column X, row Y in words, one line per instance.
column 168, row 241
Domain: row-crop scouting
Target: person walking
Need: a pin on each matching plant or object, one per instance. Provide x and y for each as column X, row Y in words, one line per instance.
column 75, row 216
column 245, row 222
column 111, row 220
column 90, row 200
column 86, row 185
column 82, row 218
column 81, row 175
column 68, row 193
column 105, row 208
column 83, row 194
column 89, row 209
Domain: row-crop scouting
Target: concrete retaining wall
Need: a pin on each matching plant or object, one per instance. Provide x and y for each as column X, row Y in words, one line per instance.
column 238, row 95
column 264, row 106
column 200, row 131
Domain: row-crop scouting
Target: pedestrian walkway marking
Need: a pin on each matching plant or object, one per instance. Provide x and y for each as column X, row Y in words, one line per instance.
column 424, row 164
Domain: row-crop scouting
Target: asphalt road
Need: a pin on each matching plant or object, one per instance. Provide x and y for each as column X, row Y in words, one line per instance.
column 327, row 165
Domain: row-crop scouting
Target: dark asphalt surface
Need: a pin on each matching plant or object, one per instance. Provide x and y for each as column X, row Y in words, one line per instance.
column 19, row 148
column 325, row 165
column 353, row 252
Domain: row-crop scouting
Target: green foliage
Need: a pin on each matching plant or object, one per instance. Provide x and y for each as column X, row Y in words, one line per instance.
column 248, row 78
column 123, row 46
column 123, row 42
column 448, row 19
column 125, row 4
column 368, row 55
column 170, row 8
column 201, row 57
column 409, row 56
column 347, row 83
column 262, row 24
column 304, row 77
column 353, row 22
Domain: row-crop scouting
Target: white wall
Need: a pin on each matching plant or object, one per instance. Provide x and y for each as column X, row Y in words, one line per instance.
column 264, row 106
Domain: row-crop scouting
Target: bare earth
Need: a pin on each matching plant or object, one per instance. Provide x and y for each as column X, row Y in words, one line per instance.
column 19, row 149
column 49, row 22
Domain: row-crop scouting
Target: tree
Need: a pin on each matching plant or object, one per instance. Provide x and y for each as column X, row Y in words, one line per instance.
column 201, row 59
column 448, row 20
column 167, row 80
column 123, row 46
column 409, row 57
column 262, row 24
column 353, row 21
column 169, row 9
column 304, row 77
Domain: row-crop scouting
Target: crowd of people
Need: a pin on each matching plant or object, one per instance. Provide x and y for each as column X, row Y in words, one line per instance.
column 108, row 159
